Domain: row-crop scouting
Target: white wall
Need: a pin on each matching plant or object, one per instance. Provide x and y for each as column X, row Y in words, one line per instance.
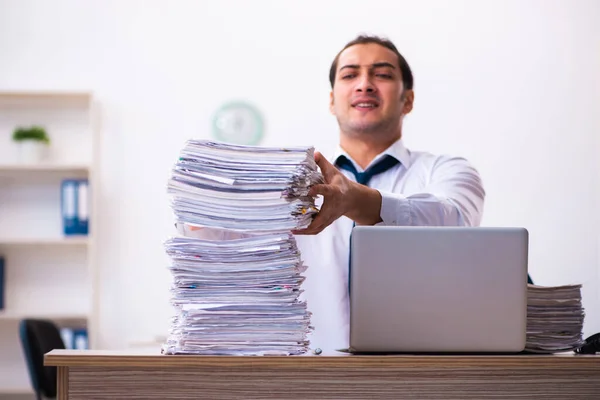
column 512, row 85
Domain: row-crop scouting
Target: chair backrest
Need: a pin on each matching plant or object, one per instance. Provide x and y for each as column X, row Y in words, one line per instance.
column 38, row 337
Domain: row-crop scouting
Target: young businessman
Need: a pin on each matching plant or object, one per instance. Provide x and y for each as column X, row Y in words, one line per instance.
column 372, row 179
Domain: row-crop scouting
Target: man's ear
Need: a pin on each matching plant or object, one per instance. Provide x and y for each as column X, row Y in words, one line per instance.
column 408, row 98
column 331, row 102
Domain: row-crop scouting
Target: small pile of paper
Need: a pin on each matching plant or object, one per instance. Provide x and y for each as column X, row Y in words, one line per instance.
column 237, row 272
column 554, row 318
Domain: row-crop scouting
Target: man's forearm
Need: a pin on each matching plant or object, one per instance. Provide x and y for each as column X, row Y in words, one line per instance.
column 365, row 205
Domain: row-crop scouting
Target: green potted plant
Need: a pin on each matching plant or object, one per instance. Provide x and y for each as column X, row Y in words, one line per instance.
column 32, row 141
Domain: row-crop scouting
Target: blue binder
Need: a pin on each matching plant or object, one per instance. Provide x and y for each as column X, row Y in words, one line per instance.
column 69, row 189
column 2, row 283
column 75, row 338
column 80, row 339
column 83, row 207
column 66, row 334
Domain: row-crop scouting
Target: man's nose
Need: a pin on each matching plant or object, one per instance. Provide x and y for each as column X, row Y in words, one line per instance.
column 364, row 84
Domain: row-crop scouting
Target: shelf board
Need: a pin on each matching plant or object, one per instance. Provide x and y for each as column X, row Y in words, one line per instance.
column 49, row 97
column 45, row 93
column 15, row 390
column 43, row 168
column 58, row 241
column 16, row 316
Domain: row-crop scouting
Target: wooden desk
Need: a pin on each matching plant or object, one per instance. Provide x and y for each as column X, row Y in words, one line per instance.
column 118, row 375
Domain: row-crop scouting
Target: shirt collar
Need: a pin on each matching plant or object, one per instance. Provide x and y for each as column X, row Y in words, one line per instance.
column 396, row 150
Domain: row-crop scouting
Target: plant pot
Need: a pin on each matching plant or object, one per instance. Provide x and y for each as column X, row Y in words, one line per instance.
column 31, row 151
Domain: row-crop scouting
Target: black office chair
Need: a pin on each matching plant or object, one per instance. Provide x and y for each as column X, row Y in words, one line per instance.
column 38, row 337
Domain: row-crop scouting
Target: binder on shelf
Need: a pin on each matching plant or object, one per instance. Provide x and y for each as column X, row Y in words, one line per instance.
column 2, row 283
column 75, row 206
column 75, row 338
column 83, row 209
column 69, row 189
column 80, row 339
column 67, row 337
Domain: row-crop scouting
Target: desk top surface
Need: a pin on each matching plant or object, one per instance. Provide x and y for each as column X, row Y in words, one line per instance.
column 108, row 358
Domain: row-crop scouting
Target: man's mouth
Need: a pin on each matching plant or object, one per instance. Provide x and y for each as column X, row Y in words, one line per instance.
column 365, row 104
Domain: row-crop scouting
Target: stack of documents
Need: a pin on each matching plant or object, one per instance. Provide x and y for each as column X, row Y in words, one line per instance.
column 237, row 272
column 554, row 318
column 238, row 296
column 244, row 188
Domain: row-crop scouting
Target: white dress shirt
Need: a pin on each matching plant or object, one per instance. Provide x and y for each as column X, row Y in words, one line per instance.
column 423, row 189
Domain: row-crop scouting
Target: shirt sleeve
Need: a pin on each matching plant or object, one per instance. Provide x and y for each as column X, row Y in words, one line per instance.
column 453, row 196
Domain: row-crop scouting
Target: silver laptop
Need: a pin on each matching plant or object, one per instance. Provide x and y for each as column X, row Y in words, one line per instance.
column 438, row 289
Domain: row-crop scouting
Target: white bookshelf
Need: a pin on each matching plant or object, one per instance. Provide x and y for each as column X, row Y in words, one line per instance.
column 45, row 241
column 43, row 167
column 60, row 319
column 47, row 274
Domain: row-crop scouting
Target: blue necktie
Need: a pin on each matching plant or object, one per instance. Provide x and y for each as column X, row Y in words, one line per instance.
column 363, row 178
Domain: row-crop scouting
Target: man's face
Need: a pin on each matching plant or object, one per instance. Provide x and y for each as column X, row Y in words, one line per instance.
column 367, row 96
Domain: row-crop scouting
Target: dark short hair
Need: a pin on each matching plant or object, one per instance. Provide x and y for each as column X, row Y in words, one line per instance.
column 407, row 76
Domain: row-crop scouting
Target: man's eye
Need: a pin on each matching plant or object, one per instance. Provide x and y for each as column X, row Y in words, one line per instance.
column 347, row 76
column 384, row 76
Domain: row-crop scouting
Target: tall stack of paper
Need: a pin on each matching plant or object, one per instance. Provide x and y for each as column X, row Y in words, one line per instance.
column 237, row 272
column 554, row 318
column 244, row 188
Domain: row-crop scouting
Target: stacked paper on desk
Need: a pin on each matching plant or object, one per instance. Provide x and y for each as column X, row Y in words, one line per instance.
column 244, row 188
column 238, row 296
column 237, row 272
column 554, row 318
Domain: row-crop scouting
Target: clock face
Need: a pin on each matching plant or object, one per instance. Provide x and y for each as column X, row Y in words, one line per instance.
column 238, row 123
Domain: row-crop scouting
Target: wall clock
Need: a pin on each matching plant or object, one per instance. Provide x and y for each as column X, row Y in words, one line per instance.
column 238, row 123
